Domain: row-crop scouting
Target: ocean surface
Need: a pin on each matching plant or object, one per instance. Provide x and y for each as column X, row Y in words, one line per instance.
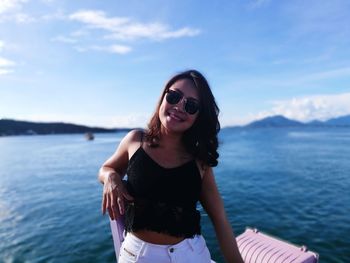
column 290, row 183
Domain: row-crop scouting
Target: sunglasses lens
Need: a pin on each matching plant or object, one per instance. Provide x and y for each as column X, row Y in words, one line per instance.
column 173, row 97
column 191, row 107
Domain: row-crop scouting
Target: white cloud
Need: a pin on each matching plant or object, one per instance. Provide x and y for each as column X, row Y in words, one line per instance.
column 97, row 19
column 79, row 33
column 227, row 120
column 2, row 45
column 116, row 49
column 320, row 107
column 10, row 5
column 6, row 63
column 64, row 39
column 186, row 31
column 10, row 11
column 81, row 49
column 58, row 15
column 124, row 28
column 6, row 66
column 19, row 18
column 22, row 18
column 130, row 120
column 119, row 49
column 5, row 71
column 304, row 109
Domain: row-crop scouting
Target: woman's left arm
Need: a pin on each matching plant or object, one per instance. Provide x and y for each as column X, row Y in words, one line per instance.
column 213, row 205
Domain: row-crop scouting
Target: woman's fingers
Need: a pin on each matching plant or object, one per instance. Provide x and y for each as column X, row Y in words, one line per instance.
column 114, row 205
column 114, row 201
column 127, row 196
column 109, row 207
column 120, row 202
column 104, row 202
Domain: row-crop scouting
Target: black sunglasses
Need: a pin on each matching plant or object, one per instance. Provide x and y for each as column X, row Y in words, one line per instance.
column 173, row 97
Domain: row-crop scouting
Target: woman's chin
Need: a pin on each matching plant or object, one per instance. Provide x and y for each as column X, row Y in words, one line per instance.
column 175, row 126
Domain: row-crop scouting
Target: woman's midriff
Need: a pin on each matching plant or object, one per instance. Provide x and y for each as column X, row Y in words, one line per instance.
column 157, row 238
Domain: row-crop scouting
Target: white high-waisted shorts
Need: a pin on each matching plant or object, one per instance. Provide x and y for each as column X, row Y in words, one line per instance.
column 190, row 250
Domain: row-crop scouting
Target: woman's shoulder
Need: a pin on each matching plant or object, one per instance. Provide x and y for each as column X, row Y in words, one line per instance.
column 134, row 135
column 203, row 168
column 132, row 141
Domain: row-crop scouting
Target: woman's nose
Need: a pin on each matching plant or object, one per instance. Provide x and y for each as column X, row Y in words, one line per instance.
column 181, row 104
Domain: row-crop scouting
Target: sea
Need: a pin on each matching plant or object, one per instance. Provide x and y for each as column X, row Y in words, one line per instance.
column 292, row 183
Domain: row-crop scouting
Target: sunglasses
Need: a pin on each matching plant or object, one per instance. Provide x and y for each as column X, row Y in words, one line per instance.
column 173, row 97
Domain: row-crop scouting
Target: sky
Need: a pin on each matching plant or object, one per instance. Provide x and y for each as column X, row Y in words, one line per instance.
column 105, row 63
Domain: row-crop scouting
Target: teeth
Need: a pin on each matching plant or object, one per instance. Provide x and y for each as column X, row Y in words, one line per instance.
column 175, row 117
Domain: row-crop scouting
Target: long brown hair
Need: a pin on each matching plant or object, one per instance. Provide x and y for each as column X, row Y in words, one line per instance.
column 201, row 139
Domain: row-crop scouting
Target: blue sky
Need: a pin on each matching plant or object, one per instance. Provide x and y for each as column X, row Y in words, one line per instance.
column 105, row 62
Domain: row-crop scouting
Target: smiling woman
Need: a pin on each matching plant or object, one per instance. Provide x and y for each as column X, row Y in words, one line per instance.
column 179, row 109
column 169, row 168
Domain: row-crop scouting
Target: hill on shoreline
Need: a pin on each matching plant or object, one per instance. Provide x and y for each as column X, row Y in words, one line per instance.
column 10, row 127
column 279, row 121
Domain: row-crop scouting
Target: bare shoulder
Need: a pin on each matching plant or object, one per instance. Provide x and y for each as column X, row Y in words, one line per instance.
column 127, row 147
column 133, row 136
column 132, row 141
column 129, row 143
column 203, row 168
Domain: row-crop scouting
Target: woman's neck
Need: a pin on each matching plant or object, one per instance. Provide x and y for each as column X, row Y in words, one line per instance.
column 171, row 140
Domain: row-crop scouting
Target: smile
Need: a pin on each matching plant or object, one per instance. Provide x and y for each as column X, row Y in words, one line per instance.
column 175, row 117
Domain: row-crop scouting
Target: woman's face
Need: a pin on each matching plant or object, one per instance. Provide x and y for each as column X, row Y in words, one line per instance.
column 173, row 117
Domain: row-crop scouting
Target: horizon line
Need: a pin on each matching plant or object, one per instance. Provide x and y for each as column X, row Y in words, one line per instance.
column 140, row 126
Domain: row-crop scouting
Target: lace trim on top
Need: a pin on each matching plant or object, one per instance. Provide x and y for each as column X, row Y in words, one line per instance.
column 162, row 218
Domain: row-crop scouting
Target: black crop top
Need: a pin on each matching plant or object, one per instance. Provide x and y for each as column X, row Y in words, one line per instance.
column 165, row 199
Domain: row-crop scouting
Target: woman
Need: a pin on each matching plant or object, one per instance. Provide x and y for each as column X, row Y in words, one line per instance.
column 169, row 170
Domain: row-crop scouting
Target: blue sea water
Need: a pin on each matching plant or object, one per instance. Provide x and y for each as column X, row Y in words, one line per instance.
column 291, row 183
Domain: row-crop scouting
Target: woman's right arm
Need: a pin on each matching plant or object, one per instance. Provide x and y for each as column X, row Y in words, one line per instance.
column 111, row 174
column 212, row 203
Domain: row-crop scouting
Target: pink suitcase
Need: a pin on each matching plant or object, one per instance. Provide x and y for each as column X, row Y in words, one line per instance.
column 257, row 247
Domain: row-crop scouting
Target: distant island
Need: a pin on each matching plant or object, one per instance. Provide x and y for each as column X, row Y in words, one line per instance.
column 10, row 127
column 279, row 121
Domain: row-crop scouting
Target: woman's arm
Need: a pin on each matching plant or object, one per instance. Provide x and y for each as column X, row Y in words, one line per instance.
column 213, row 205
column 111, row 174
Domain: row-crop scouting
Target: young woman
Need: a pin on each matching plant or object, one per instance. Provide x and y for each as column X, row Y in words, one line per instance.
column 169, row 169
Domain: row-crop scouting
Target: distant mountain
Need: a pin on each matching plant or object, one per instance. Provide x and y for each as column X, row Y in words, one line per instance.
column 14, row 127
column 275, row 121
column 316, row 123
column 280, row 121
column 340, row 121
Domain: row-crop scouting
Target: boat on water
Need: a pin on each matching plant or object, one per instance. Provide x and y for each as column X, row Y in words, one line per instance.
column 89, row 136
column 253, row 245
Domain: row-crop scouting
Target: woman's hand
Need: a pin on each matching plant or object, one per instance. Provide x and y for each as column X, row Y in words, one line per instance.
column 114, row 195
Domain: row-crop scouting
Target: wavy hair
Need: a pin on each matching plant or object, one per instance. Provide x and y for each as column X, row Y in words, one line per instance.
column 201, row 139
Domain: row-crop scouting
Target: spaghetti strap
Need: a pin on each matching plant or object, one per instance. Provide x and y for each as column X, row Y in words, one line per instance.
column 141, row 139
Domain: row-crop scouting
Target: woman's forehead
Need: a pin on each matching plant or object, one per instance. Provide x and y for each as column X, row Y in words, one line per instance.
column 187, row 87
